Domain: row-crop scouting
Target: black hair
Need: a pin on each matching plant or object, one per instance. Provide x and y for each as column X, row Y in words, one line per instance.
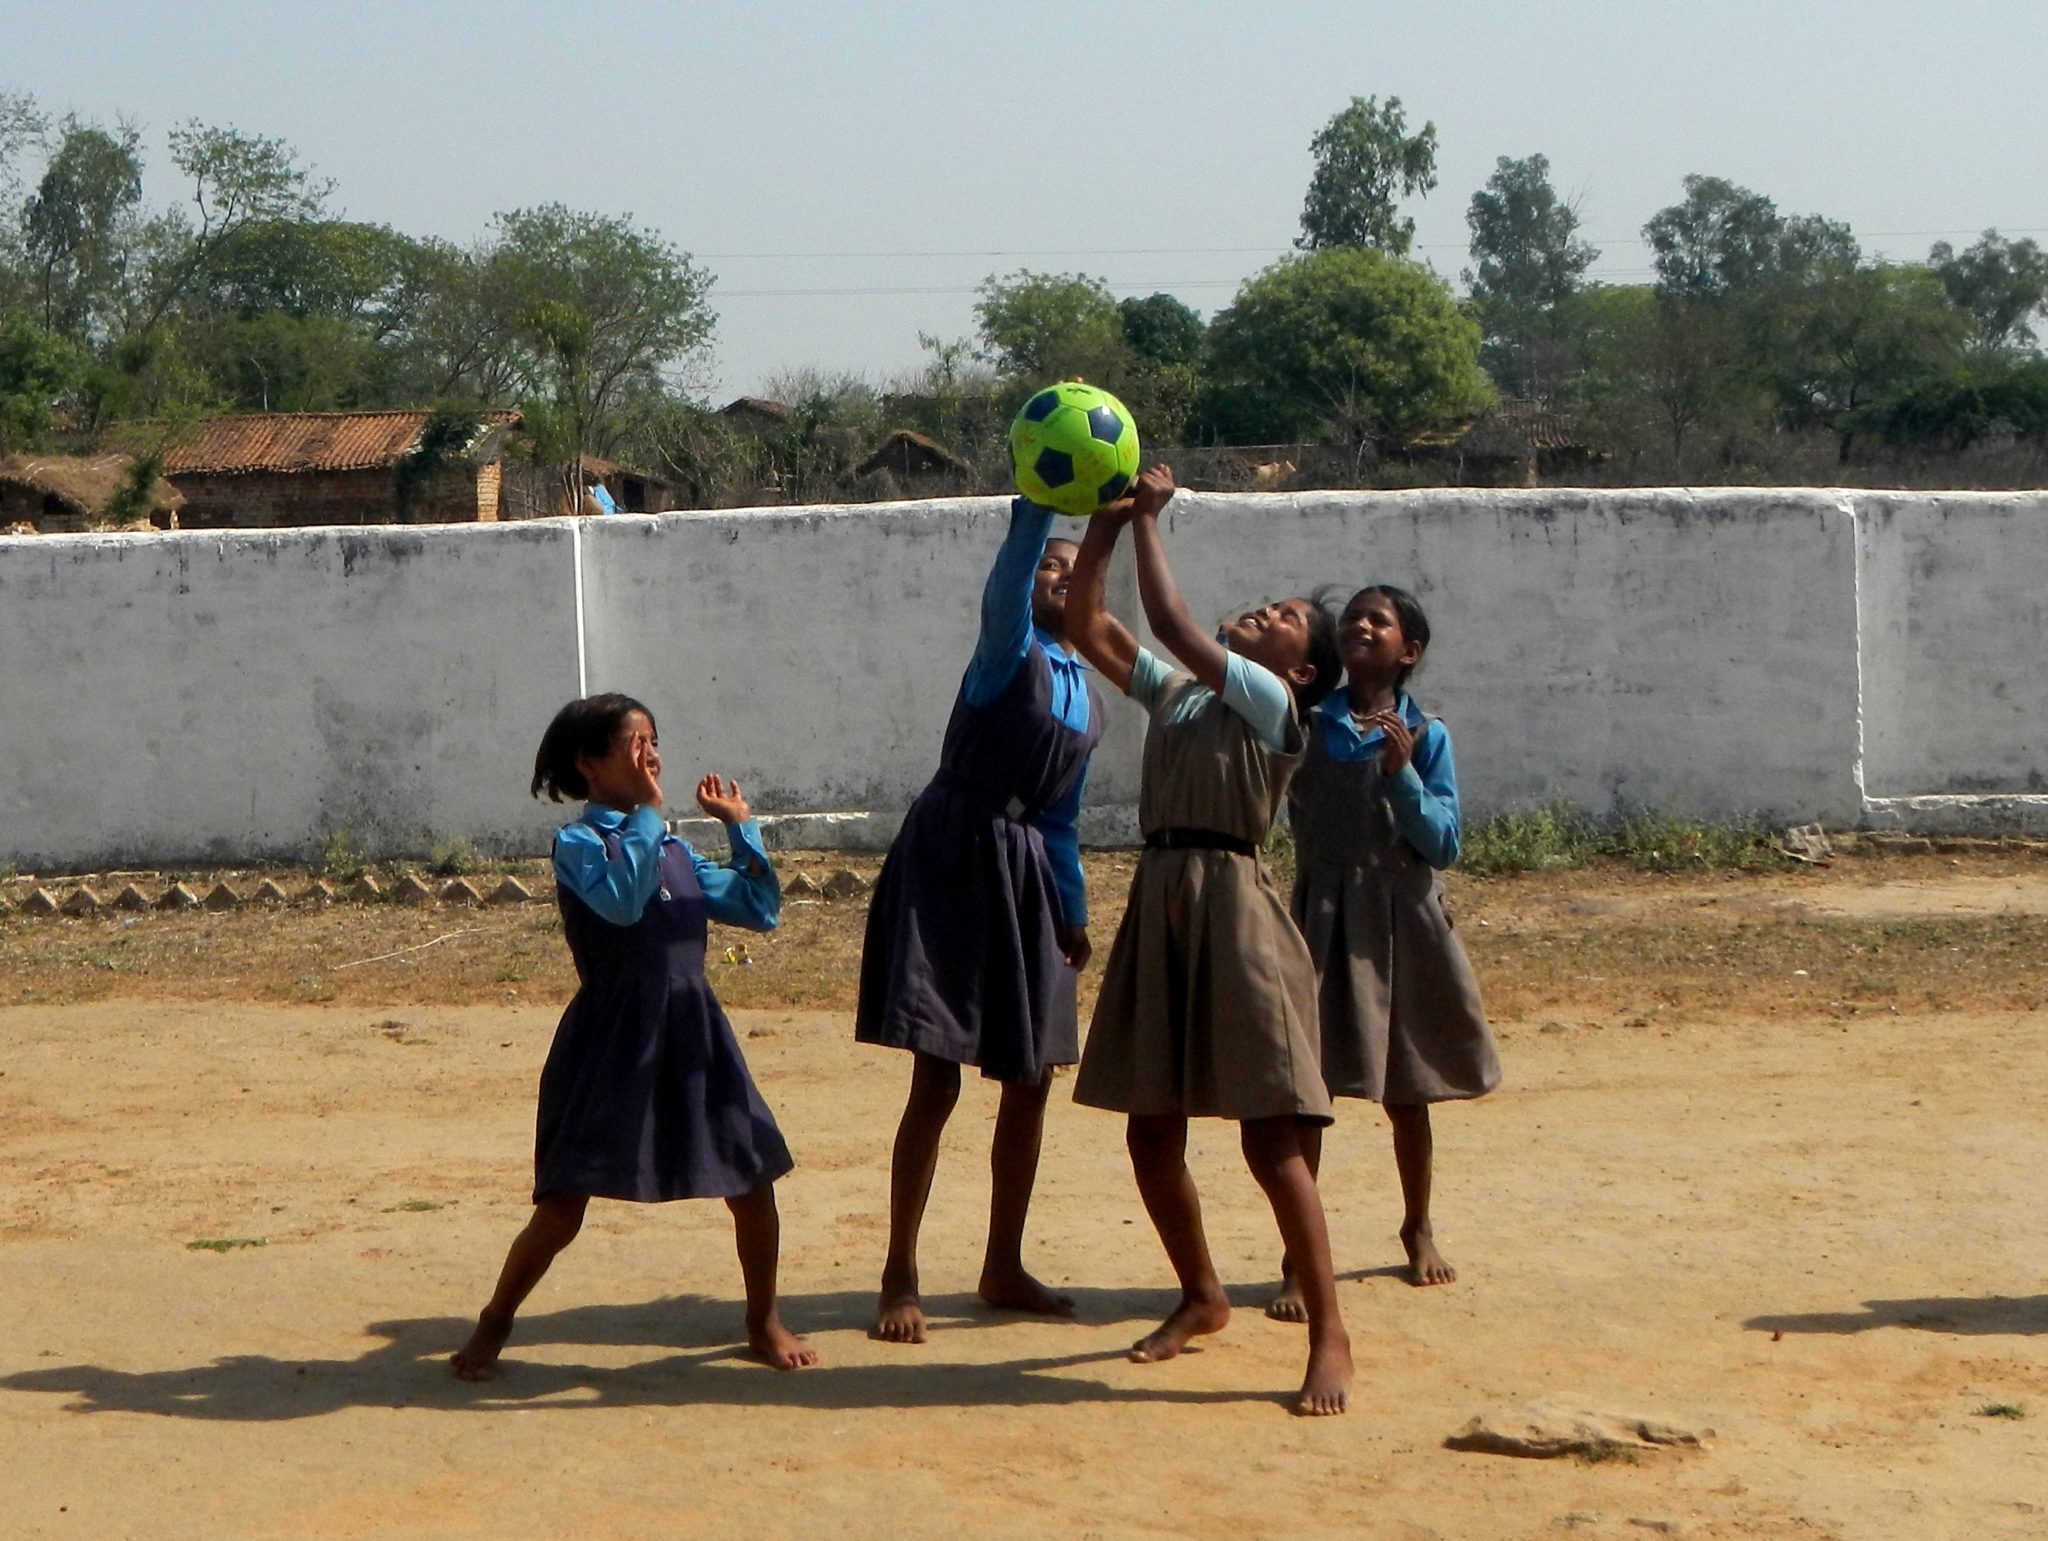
column 1408, row 611
column 1322, row 651
column 584, row 729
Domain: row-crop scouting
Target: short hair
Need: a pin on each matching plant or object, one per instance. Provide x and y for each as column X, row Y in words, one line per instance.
column 1408, row 611
column 584, row 729
column 1322, row 650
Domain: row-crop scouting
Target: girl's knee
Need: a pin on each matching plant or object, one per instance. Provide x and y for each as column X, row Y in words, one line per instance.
column 557, row 1218
column 1154, row 1140
column 935, row 1082
column 756, row 1204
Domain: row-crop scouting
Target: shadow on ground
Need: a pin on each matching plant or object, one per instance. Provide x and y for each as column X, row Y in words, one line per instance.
column 699, row 1361
column 1988, row 1315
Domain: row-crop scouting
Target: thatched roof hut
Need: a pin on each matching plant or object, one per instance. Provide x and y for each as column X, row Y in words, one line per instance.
column 909, row 454
column 59, row 494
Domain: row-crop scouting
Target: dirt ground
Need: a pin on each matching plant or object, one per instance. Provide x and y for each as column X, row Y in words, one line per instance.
column 1766, row 1164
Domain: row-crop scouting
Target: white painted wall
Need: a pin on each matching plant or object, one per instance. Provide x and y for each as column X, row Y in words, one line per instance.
column 219, row 695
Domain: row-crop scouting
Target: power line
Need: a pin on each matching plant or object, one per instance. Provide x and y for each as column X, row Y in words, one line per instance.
column 1234, row 251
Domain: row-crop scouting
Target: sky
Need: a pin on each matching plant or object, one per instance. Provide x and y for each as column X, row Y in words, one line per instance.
column 850, row 173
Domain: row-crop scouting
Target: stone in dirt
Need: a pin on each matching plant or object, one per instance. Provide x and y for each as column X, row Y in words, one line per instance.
column 1545, row 1431
column 845, row 883
column 269, row 891
column 804, row 884
column 178, row 897
column 364, row 890
column 41, row 902
column 511, row 891
column 131, row 898
column 319, row 891
column 410, row 890
column 83, row 901
column 460, row 891
column 222, row 898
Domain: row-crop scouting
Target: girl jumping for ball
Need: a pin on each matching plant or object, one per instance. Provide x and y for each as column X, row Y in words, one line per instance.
column 980, row 920
column 1208, row 1000
column 1374, row 810
column 645, row 1095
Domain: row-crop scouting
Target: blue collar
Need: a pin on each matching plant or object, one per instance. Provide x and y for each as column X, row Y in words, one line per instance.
column 1056, row 653
column 1342, row 731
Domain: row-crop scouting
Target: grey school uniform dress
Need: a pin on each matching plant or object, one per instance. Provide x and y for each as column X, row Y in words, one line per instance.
column 1397, row 999
column 1207, row 1006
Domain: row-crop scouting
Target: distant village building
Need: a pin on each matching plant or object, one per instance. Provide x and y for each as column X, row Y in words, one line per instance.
column 65, row 494
column 273, row 469
column 918, row 466
column 757, row 415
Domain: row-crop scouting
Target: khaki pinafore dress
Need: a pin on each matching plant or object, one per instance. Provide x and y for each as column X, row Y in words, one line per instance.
column 1396, row 996
column 1207, row 1008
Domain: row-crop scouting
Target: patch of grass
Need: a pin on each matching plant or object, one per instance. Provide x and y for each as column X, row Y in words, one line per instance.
column 2001, row 1410
column 338, row 857
column 225, row 1243
column 414, row 1207
column 1557, row 834
column 311, row 987
column 1602, row 1453
column 1561, row 834
column 453, row 858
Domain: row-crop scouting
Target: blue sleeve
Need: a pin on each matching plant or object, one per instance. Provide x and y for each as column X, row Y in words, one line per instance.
column 1424, row 799
column 1149, row 674
column 1261, row 698
column 1057, row 827
column 745, row 891
column 1006, row 603
column 617, row 888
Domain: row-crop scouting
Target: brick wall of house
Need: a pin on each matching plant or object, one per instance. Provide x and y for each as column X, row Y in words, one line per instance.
column 271, row 500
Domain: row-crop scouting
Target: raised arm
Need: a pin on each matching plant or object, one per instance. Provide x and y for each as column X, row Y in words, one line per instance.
column 1165, row 611
column 1097, row 635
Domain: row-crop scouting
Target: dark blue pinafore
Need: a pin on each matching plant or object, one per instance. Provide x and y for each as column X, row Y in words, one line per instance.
column 962, row 957
column 645, row 1094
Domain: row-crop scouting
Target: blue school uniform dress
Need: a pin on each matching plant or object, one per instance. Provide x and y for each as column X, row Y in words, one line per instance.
column 1397, row 1001
column 962, row 956
column 645, row 1094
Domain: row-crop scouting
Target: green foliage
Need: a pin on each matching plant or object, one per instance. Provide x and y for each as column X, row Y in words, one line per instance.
column 2001, row 285
column 1560, row 834
column 38, row 371
column 1528, row 263
column 453, row 857
column 2011, row 1410
column 1366, row 158
column 1347, row 341
column 339, row 857
column 225, row 1243
column 77, row 228
column 1162, row 330
column 136, row 496
column 443, row 445
column 1037, row 328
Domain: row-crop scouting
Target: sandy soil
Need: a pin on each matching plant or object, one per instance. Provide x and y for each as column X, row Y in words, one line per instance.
column 1821, row 1238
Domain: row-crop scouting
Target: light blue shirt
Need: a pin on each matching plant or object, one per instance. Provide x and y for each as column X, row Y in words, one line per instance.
column 1007, row 639
column 744, row 892
column 1424, row 796
column 1253, row 691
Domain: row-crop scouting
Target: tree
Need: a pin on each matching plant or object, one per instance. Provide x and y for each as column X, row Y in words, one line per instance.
column 1365, row 158
column 1865, row 337
column 1161, row 329
column 1721, row 240
column 1350, row 341
column 37, row 371
column 238, row 181
column 1660, row 371
column 1529, row 262
column 1040, row 327
column 584, row 310
column 78, row 228
column 2001, row 285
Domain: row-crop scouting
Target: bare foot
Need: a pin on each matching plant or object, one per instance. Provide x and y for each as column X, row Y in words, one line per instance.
column 1012, row 1289
column 779, row 1346
column 1326, row 1388
column 1286, row 1306
column 1192, row 1318
column 1426, row 1265
column 478, row 1358
column 899, row 1314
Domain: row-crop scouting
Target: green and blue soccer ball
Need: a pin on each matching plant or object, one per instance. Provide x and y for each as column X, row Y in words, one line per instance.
column 1074, row 447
